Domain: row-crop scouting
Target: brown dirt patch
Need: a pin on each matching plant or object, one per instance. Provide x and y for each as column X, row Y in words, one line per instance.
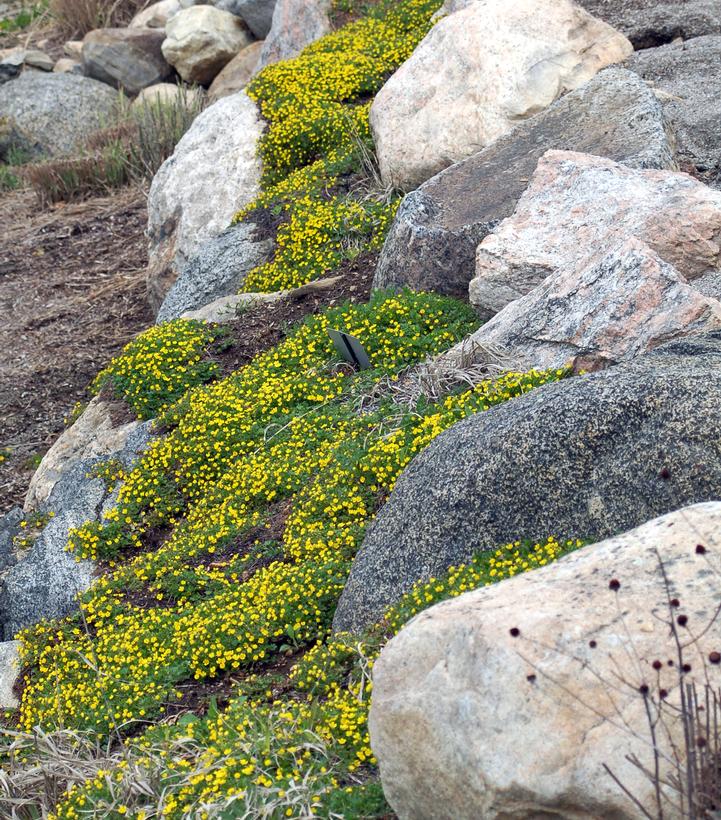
column 196, row 696
column 72, row 293
column 263, row 326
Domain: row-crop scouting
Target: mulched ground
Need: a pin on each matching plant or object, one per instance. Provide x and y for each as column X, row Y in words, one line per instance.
column 72, row 293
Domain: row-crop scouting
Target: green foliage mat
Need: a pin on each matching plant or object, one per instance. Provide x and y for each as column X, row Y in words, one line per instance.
column 205, row 646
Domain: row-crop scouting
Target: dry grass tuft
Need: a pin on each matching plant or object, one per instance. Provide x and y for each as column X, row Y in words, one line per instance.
column 131, row 149
column 75, row 18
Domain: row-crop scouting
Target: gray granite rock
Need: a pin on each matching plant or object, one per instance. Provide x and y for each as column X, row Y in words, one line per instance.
column 432, row 242
column 257, row 14
column 9, row 528
column 47, row 581
column 126, row 58
column 57, row 111
column 587, row 457
column 649, row 23
column 213, row 173
column 687, row 79
column 218, row 269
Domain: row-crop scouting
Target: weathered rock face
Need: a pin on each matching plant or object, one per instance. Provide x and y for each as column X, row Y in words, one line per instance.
column 156, row 15
column 576, row 203
column 237, row 74
column 213, row 173
column 94, row 434
column 201, row 40
column 13, row 138
column 47, row 580
column 619, row 303
column 477, row 74
column 57, row 111
column 257, row 14
column 687, row 78
column 9, row 528
column 432, row 242
column 127, row 58
column 218, row 269
column 9, row 672
column 646, row 23
column 649, row 23
column 296, row 24
column 467, row 721
column 587, row 457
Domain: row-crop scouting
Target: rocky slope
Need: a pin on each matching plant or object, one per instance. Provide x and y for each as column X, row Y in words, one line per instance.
column 215, row 576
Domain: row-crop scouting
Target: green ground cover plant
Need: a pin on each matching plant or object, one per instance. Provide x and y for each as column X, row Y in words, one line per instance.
column 318, row 170
column 199, row 677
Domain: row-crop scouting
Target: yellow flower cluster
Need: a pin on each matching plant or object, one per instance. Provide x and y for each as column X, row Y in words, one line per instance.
column 486, row 568
column 318, row 134
column 291, row 753
column 239, row 447
column 320, row 231
column 160, row 365
column 311, row 102
column 233, row 536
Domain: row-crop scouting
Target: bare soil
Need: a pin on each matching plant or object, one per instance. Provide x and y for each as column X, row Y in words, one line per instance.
column 72, row 293
column 265, row 325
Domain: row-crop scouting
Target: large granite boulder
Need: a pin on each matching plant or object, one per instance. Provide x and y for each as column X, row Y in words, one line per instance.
column 577, row 203
column 296, row 24
column 14, row 139
column 201, row 40
column 238, row 73
column 127, row 58
column 649, row 23
column 46, row 581
column 57, row 112
column 214, row 172
column 257, row 14
column 9, row 528
column 687, row 79
column 468, row 721
column 622, row 301
column 432, row 242
column 646, row 23
column 477, row 74
column 587, row 457
column 218, row 269
column 95, row 433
